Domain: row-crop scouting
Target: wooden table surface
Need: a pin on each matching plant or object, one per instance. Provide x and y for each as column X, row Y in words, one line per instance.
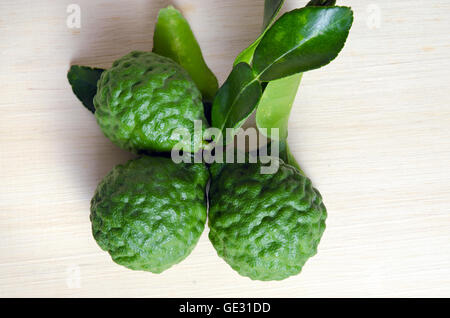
column 372, row 130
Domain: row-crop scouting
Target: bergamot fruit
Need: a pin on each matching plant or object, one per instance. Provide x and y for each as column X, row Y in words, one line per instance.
column 141, row 101
column 265, row 226
column 149, row 213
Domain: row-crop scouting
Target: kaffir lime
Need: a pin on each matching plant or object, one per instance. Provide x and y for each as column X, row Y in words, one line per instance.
column 149, row 213
column 141, row 101
column 265, row 226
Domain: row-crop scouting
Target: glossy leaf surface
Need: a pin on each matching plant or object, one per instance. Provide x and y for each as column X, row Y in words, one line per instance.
column 271, row 10
column 302, row 40
column 236, row 99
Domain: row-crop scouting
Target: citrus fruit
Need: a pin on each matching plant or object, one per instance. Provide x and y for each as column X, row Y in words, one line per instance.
column 150, row 212
column 265, row 226
column 141, row 101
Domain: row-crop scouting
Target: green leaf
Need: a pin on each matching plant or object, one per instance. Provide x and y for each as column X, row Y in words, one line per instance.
column 174, row 38
column 302, row 40
column 275, row 105
column 236, row 99
column 274, row 109
column 323, row 3
column 84, row 83
column 271, row 10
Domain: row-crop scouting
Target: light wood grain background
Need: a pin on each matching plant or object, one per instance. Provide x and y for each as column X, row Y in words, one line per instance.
column 372, row 130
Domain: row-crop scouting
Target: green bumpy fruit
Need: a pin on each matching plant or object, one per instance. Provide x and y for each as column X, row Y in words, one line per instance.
column 265, row 226
column 141, row 101
column 149, row 213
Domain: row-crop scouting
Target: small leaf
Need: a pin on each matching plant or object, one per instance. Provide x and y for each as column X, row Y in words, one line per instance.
column 236, row 99
column 271, row 10
column 174, row 38
column 275, row 105
column 323, row 3
column 302, row 40
column 84, row 83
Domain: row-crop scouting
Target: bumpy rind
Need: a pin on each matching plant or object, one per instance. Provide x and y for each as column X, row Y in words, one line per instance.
column 141, row 101
column 265, row 226
column 149, row 213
